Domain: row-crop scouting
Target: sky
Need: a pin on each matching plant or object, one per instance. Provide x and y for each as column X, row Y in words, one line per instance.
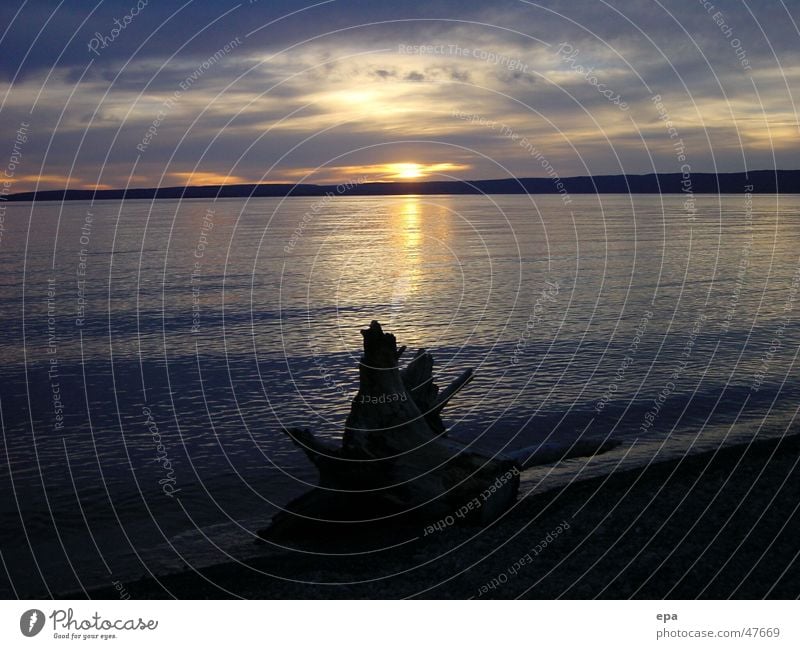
column 146, row 93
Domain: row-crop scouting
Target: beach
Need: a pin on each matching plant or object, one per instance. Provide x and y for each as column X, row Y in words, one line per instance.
column 716, row 525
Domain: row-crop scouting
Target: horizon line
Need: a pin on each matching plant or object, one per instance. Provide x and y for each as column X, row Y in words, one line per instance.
column 352, row 186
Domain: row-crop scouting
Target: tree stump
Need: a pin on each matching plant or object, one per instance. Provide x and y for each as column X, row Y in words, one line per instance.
column 396, row 462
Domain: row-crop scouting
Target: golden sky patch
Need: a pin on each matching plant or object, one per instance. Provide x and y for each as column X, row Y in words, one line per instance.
column 383, row 172
column 206, row 178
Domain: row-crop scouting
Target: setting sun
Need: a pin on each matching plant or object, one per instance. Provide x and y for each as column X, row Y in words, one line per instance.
column 407, row 170
column 413, row 170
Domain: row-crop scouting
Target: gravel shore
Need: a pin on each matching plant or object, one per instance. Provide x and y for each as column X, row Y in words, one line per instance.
column 716, row 525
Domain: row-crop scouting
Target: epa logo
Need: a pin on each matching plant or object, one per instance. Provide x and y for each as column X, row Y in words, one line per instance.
column 31, row 622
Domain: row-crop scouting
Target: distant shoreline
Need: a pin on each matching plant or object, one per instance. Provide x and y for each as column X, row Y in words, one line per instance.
column 761, row 182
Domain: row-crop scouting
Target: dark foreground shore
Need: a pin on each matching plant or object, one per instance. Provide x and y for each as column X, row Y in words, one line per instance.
column 717, row 525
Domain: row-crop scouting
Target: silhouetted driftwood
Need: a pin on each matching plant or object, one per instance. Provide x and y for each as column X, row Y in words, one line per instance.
column 396, row 461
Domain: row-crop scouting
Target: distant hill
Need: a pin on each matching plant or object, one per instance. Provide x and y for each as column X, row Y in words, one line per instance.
column 780, row 181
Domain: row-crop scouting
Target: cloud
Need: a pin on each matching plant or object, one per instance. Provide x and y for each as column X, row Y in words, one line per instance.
column 350, row 80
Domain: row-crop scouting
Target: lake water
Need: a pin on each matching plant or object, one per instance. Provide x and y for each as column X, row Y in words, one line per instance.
column 205, row 326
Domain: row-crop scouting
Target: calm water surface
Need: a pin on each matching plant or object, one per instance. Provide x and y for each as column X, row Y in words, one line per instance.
column 205, row 326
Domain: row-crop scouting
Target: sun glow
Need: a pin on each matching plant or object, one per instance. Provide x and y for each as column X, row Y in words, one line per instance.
column 376, row 172
column 414, row 171
column 407, row 170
